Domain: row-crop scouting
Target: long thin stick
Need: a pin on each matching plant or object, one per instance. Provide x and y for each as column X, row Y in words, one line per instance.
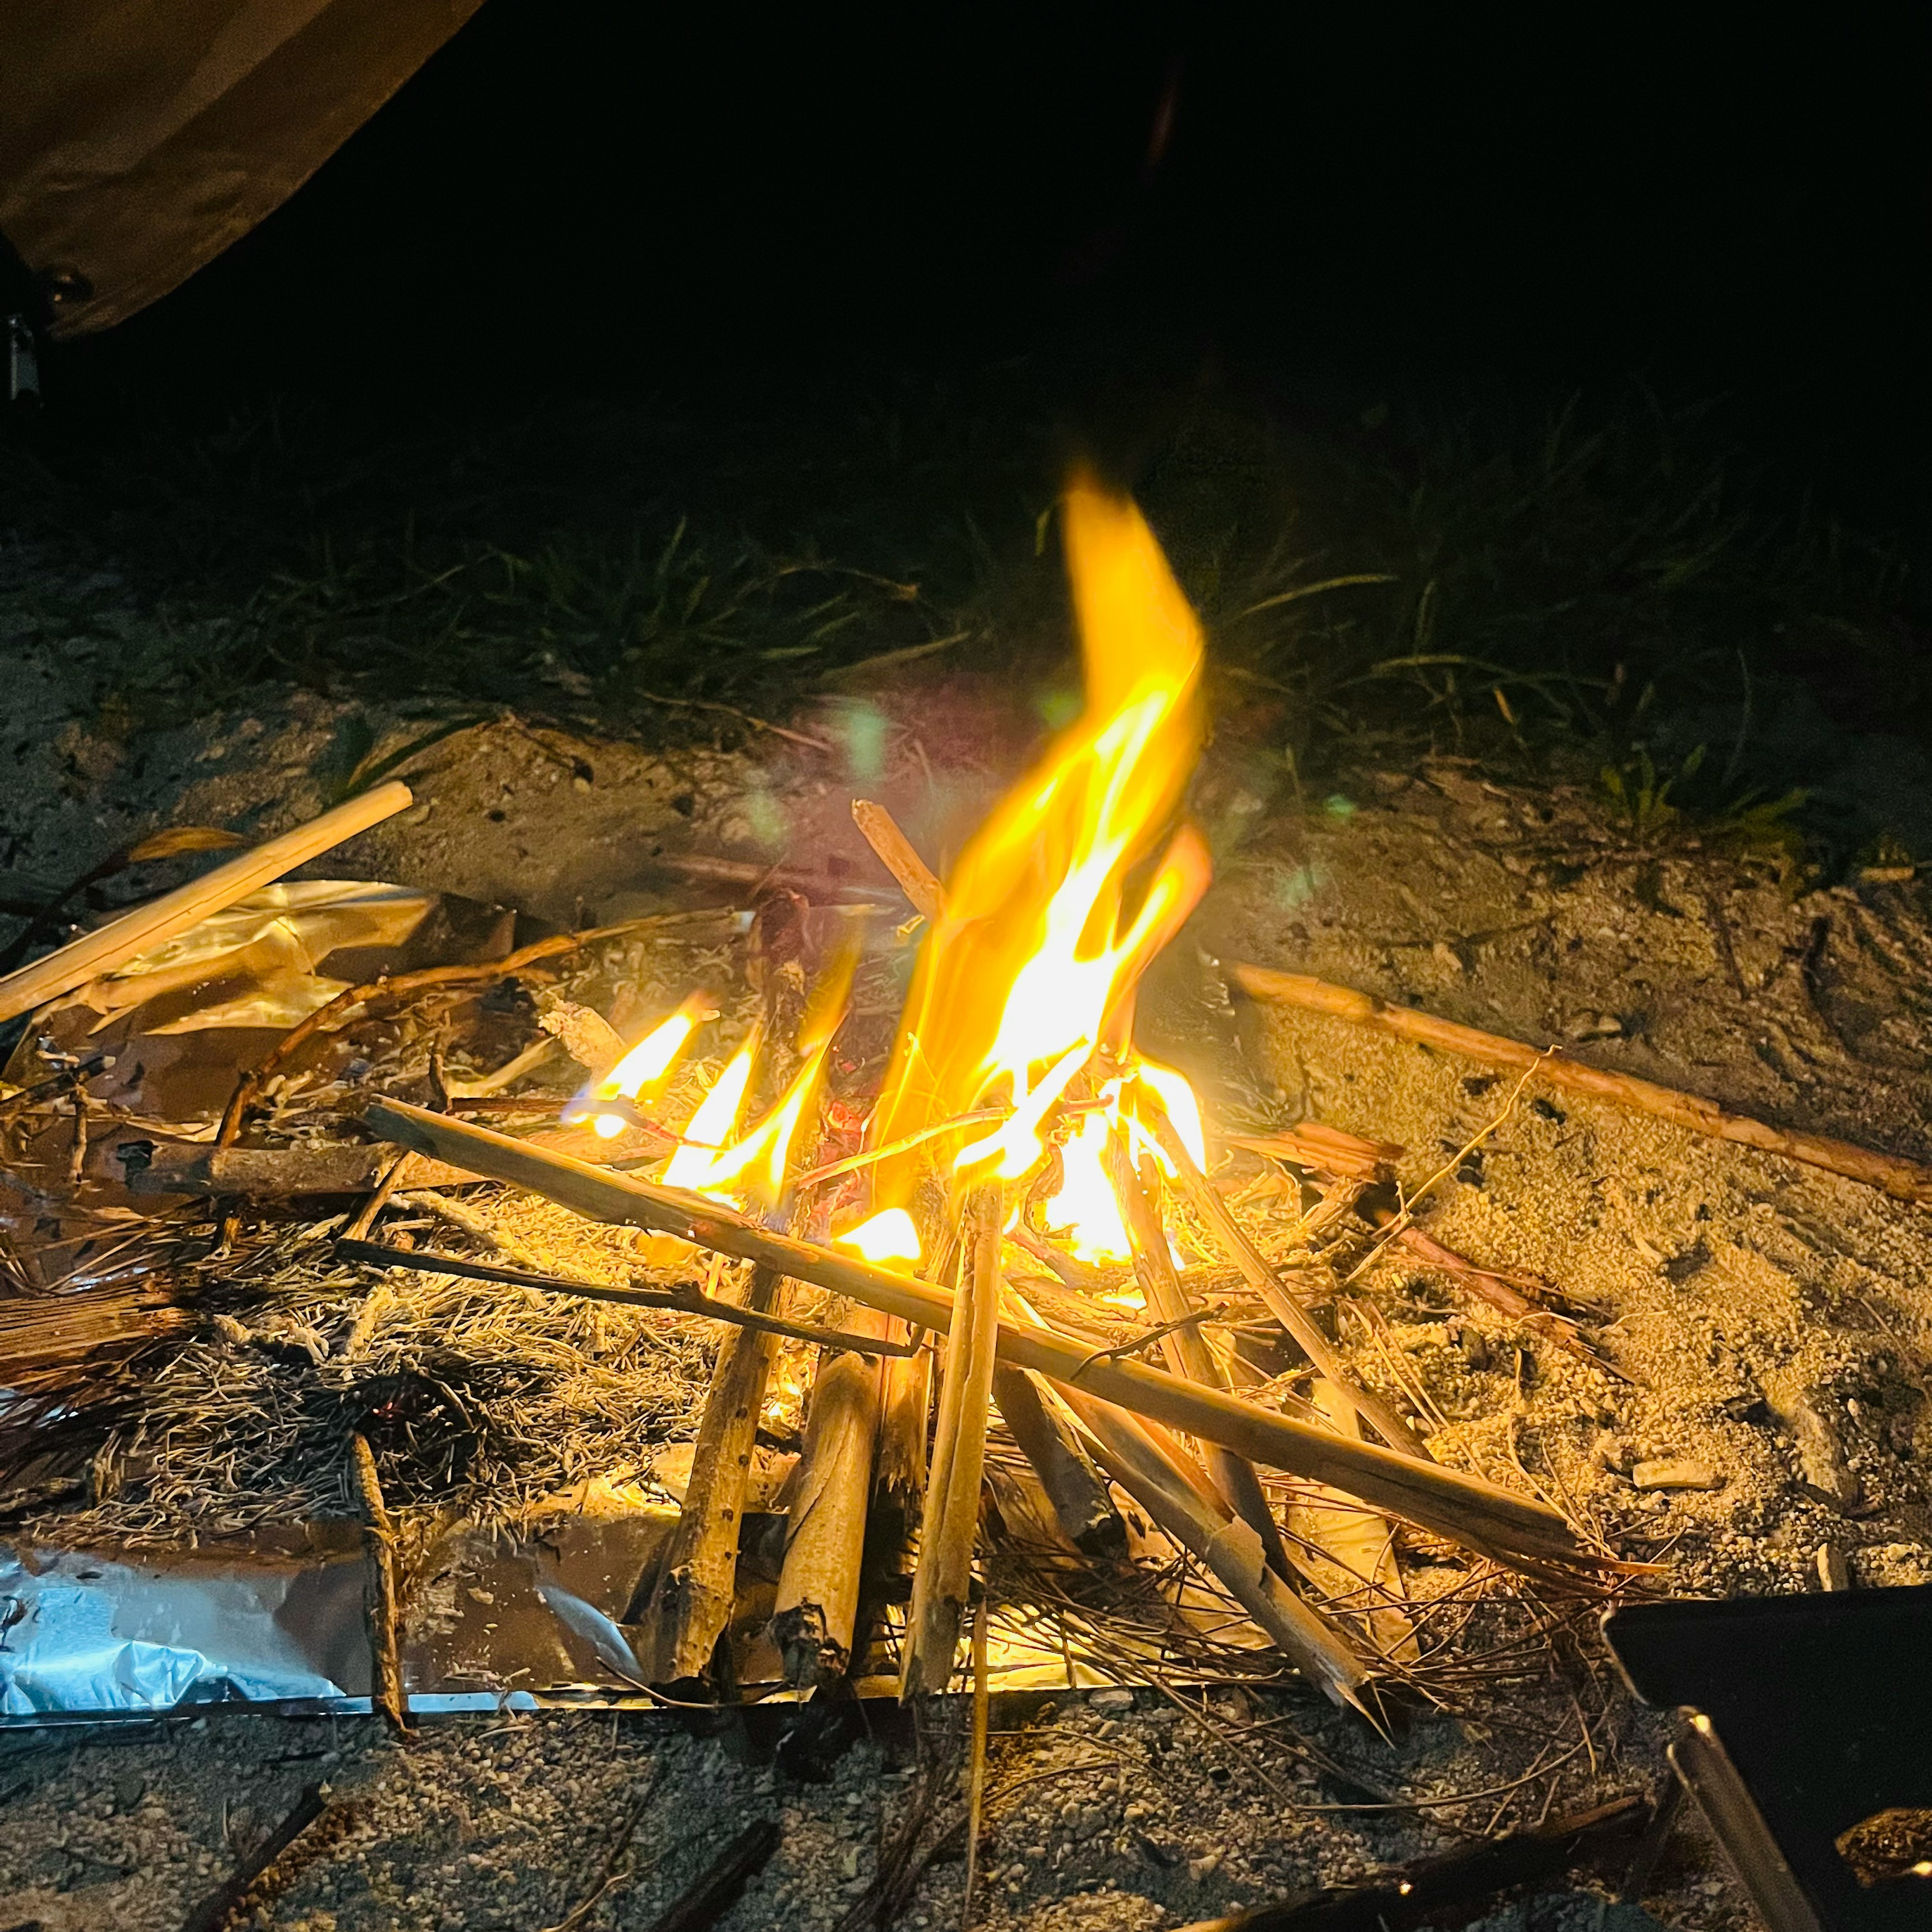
column 1281, row 1305
column 1188, row 1352
column 818, row 1607
column 117, row 942
column 1892, row 1173
column 1082, row 1506
column 943, row 1579
column 975, row 1786
column 691, row 1603
column 1514, row 1529
column 387, row 1694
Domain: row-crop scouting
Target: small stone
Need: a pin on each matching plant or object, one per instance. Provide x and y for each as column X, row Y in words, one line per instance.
column 1206, row 1863
column 1611, row 1452
column 1675, row 1472
column 579, row 783
column 1114, row 1699
column 1834, row 1572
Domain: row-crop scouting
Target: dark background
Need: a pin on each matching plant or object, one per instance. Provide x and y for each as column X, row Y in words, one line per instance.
column 727, row 201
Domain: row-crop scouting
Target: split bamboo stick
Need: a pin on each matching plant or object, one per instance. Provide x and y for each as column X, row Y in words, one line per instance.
column 1892, row 1174
column 1514, row 1529
column 942, row 1579
column 818, row 1607
column 690, row 1603
column 117, row 942
column 1081, row 1507
column 1281, row 1305
column 899, row 1486
column 1153, row 1470
column 1187, row 1350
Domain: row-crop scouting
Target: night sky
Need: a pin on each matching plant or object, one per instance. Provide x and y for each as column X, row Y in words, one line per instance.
column 1361, row 199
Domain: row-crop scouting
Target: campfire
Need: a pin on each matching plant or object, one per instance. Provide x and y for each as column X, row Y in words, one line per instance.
column 971, row 1348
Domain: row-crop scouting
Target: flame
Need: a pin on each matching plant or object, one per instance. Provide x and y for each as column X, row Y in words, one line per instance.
column 1045, row 928
column 888, row 1236
column 642, row 1071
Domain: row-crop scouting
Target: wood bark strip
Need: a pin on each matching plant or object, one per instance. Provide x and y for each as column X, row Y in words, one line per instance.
column 818, row 1607
column 1281, row 1303
column 1188, row 1352
column 386, row 1693
column 690, row 1603
column 120, row 939
column 1514, row 1529
column 942, row 1579
column 1892, row 1174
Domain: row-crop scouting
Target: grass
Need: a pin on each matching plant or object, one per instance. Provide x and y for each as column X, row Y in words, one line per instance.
column 1604, row 587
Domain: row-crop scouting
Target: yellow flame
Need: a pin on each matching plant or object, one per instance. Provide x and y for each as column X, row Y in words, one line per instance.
column 1175, row 1099
column 711, row 1124
column 888, row 1236
column 1085, row 1208
column 643, row 1070
column 1044, row 930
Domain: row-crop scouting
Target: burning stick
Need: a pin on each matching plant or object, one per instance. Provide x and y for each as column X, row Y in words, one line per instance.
column 1187, row 1350
column 117, row 942
column 691, row 1604
column 1903, row 1179
column 1514, row 1529
column 1281, row 1305
column 387, row 1695
column 825, row 1535
column 899, row 1484
column 941, row 1581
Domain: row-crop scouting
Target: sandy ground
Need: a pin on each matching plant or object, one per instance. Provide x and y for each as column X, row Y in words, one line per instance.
column 1773, row 1321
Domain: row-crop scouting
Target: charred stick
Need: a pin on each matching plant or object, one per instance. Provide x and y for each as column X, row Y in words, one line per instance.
column 682, row 1301
column 1514, row 1529
column 1281, row 1305
column 896, row 853
column 1892, row 1174
column 724, row 1880
column 268, row 1869
column 816, row 887
column 270, row 1173
column 1187, row 1350
column 1426, row 1891
column 386, row 1693
column 942, row 1579
column 1082, row 1506
column 818, row 1608
column 691, row 1606
column 898, row 1487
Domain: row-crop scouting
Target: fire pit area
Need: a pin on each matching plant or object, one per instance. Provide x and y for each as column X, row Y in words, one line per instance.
column 894, row 1289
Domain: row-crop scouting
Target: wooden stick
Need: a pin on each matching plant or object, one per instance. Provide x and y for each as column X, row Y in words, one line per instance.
column 691, row 1604
column 1514, row 1529
column 1892, row 1174
column 1281, row 1305
column 386, row 1693
column 818, row 1607
column 1151, row 1467
column 975, row 1769
column 119, row 941
column 943, row 1579
column 1187, row 1350
column 719, row 1886
column 898, row 1489
column 815, row 886
column 1082, row 1506
column 896, row 854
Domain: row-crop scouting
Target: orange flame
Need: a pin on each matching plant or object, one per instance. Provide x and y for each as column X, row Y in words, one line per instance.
column 1044, row 931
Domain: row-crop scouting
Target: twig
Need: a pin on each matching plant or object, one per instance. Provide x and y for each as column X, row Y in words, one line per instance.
column 386, row 1693
column 1904, row 1180
column 274, row 1862
column 1281, row 1305
column 680, row 1301
column 811, row 744
column 618, row 1867
column 976, row 1790
column 896, row 853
